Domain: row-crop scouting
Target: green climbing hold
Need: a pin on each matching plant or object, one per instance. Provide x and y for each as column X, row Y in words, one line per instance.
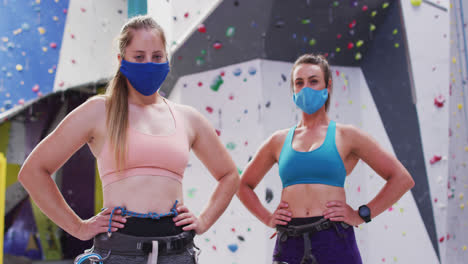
column 217, row 82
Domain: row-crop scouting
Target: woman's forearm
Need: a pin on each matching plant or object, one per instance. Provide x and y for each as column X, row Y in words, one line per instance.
column 395, row 187
column 250, row 199
column 48, row 198
column 219, row 201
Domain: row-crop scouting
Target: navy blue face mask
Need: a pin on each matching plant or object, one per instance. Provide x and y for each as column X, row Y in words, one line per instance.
column 146, row 78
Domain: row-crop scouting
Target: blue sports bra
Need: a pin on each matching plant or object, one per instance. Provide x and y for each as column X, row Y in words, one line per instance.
column 322, row 165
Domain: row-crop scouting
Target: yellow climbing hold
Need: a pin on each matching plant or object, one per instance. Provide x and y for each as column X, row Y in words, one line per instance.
column 5, row 39
column 462, row 206
column 19, row 67
column 359, row 43
column 460, row 106
column 454, row 60
column 338, row 49
column 416, row 2
column 55, row 18
column 358, row 56
column 17, row 31
column 464, row 248
column 466, row 149
column 51, row 71
column 44, row 49
column 461, row 196
column 41, row 30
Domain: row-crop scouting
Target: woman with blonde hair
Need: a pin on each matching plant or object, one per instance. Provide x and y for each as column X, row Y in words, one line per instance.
column 141, row 142
column 313, row 221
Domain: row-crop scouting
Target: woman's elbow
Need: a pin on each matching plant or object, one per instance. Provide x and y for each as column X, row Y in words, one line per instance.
column 409, row 182
column 22, row 176
column 28, row 172
column 235, row 181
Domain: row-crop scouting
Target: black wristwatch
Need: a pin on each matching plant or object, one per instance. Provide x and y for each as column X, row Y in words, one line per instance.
column 364, row 213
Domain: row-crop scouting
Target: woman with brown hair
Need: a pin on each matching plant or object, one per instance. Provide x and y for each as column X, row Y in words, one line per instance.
column 141, row 142
column 313, row 220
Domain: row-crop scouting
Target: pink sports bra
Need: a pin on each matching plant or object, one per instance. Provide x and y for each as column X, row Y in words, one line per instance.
column 155, row 155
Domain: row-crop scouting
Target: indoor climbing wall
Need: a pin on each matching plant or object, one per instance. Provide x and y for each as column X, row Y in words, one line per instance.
column 427, row 25
column 39, row 51
column 399, row 68
column 180, row 18
column 29, row 49
column 48, row 46
column 389, row 95
column 249, row 101
column 456, row 237
column 88, row 54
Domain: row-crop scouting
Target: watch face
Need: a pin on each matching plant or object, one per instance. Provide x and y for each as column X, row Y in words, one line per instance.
column 364, row 211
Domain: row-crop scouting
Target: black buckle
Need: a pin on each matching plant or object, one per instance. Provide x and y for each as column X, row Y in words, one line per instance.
column 176, row 245
column 324, row 226
column 146, row 247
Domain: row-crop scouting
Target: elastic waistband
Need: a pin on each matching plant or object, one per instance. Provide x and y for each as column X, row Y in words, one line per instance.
column 165, row 226
column 304, row 220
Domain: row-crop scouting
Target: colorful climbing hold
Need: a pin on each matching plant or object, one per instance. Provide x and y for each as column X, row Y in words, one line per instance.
column 435, row 158
column 230, row 31
column 237, row 72
column 268, row 195
column 233, row 247
column 231, row 145
column 202, row 28
column 416, row 2
column 358, row 56
column 217, row 82
column 439, row 101
column 217, row 45
column 252, row 70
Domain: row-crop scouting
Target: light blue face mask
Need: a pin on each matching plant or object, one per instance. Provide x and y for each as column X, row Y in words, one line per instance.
column 146, row 78
column 310, row 100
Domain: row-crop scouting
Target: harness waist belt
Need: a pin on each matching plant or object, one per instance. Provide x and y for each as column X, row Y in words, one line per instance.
column 312, row 228
column 123, row 244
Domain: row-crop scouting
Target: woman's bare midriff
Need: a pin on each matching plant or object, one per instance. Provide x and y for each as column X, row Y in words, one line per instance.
column 308, row 200
column 144, row 194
